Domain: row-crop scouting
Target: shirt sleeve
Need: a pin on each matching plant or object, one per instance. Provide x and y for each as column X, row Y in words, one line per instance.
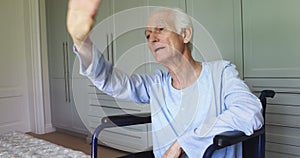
column 242, row 112
column 113, row 81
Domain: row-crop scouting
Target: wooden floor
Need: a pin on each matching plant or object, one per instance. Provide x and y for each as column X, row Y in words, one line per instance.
column 78, row 143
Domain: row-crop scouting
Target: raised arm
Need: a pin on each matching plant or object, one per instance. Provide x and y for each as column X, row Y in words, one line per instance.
column 80, row 21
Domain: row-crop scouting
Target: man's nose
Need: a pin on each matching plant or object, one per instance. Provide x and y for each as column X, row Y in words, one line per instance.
column 154, row 37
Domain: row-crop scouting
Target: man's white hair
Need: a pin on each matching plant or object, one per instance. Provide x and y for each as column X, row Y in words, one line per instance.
column 180, row 18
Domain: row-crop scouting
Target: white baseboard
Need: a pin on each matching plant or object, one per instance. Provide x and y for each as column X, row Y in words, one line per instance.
column 49, row 128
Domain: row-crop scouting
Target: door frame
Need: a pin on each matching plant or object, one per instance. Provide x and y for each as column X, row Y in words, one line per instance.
column 40, row 107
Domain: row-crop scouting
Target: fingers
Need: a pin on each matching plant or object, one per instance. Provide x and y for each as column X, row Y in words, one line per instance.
column 89, row 7
column 174, row 151
column 80, row 18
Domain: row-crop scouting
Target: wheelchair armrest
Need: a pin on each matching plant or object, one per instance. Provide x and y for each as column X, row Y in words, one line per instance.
column 229, row 138
column 127, row 119
column 233, row 137
column 118, row 121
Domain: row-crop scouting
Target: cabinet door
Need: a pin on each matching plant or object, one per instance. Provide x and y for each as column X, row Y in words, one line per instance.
column 112, row 33
column 78, row 106
column 58, row 55
column 60, row 108
column 61, row 60
column 222, row 21
column 64, row 113
column 61, row 56
column 271, row 38
column 128, row 35
column 80, row 90
column 57, row 35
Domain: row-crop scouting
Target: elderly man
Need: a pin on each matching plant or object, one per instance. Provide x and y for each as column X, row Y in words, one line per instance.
column 190, row 103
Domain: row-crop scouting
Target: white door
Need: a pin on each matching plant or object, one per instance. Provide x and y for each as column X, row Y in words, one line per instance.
column 14, row 89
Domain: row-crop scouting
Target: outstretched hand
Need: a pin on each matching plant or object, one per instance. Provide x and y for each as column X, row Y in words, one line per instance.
column 80, row 19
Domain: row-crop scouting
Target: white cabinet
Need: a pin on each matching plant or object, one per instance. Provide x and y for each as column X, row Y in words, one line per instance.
column 271, row 38
column 282, row 116
column 61, row 58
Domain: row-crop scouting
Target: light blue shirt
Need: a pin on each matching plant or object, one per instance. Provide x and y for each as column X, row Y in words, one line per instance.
column 192, row 116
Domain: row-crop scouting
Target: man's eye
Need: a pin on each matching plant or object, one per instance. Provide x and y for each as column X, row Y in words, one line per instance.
column 147, row 36
column 161, row 29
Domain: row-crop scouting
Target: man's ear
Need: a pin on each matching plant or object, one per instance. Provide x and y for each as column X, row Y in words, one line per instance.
column 187, row 34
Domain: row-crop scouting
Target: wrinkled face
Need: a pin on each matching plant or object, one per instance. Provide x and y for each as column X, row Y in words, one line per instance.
column 163, row 40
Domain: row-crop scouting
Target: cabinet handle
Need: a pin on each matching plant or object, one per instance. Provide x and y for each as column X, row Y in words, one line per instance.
column 112, row 49
column 107, row 44
column 65, row 71
column 68, row 73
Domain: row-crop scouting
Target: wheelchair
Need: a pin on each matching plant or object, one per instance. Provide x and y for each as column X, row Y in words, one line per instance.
column 253, row 145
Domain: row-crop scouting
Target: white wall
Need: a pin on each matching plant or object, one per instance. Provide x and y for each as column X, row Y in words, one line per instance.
column 21, row 89
column 14, row 89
